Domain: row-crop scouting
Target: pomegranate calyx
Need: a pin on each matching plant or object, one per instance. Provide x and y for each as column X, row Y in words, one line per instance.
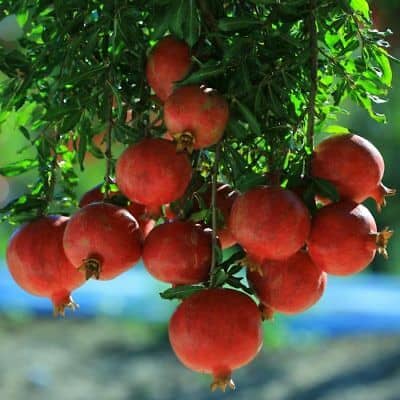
column 222, row 383
column 382, row 240
column 251, row 265
column 379, row 195
column 91, row 267
column 267, row 313
column 184, row 141
column 59, row 309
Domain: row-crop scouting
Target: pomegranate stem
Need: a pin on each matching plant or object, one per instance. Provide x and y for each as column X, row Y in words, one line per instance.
column 108, row 151
column 313, row 80
column 214, row 179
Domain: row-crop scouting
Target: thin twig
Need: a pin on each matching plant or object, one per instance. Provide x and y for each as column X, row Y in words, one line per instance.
column 210, row 20
column 108, row 151
column 214, row 179
column 313, row 78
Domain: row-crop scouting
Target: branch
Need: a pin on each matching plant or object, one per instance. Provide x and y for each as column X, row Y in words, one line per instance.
column 214, row 179
column 313, row 78
column 108, row 151
column 210, row 21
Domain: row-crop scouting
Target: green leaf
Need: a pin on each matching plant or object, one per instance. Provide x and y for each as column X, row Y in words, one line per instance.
column 249, row 117
column 326, row 189
column 192, row 26
column 238, row 24
column 361, row 7
column 206, row 72
column 18, row 167
column 336, row 130
column 180, row 292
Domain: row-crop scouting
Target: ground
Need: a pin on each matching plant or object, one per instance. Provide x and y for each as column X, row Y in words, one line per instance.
column 119, row 360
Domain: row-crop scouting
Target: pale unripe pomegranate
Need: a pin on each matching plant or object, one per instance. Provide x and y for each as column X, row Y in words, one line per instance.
column 102, row 240
column 152, row 173
column 216, row 331
column 37, row 262
column 354, row 165
column 289, row 286
column 270, row 223
column 344, row 238
column 178, row 252
column 196, row 116
column 168, row 62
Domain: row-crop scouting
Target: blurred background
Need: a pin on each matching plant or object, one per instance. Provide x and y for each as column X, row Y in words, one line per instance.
column 116, row 345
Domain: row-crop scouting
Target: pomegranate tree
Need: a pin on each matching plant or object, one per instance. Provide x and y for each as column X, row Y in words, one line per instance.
column 102, row 241
column 37, row 262
column 344, row 238
column 207, row 325
column 354, row 165
column 178, row 252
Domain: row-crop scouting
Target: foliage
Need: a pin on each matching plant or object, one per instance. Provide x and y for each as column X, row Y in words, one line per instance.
column 79, row 69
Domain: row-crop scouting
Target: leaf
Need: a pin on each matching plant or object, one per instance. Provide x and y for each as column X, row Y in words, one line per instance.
column 326, row 189
column 192, row 26
column 336, row 130
column 206, row 72
column 249, row 117
column 180, row 292
column 18, row 167
column 238, row 24
column 361, row 7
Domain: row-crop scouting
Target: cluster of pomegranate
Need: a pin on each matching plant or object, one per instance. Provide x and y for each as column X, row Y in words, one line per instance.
column 289, row 251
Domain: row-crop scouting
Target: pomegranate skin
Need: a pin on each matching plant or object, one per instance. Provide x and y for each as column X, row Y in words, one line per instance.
column 354, row 165
column 168, row 62
column 37, row 262
column 178, row 252
column 139, row 211
column 216, row 331
column 102, row 240
column 270, row 223
column 343, row 239
column 289, row 286
column 153, row 173
column 197, row 112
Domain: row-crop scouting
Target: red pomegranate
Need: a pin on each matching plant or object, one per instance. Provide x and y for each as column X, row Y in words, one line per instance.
column 289, row 286
column 344, row 238
column 153, row 173
column 37, row 262
column 178, row 252
column 168, row 62
column 196, row 117
column 354, row 165
column 139, row 211
column 270, row 223
column 102, row 240
column 216, row 331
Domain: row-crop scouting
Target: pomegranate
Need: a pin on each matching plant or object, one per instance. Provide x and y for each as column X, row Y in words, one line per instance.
column 178, row 252
column 168, row 62
column 37, row 262
column 270, row 223
column 216, row 331
column 102, row 240
column 196, row 117
column 153, row 173
column 354, row 165
column 344, row 238
column 289, row 286
column 139, row 211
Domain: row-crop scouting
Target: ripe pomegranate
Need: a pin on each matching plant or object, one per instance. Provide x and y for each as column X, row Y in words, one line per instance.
column 196, row 117
column 178, row 252
column 37, row 262
column 354, row 165
column 344, row 238
column 139, row 211
column 216, row 331
column 270, row 223
column 289, row 286
column 102, row 240
column 153, row 173
column 168, row 62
